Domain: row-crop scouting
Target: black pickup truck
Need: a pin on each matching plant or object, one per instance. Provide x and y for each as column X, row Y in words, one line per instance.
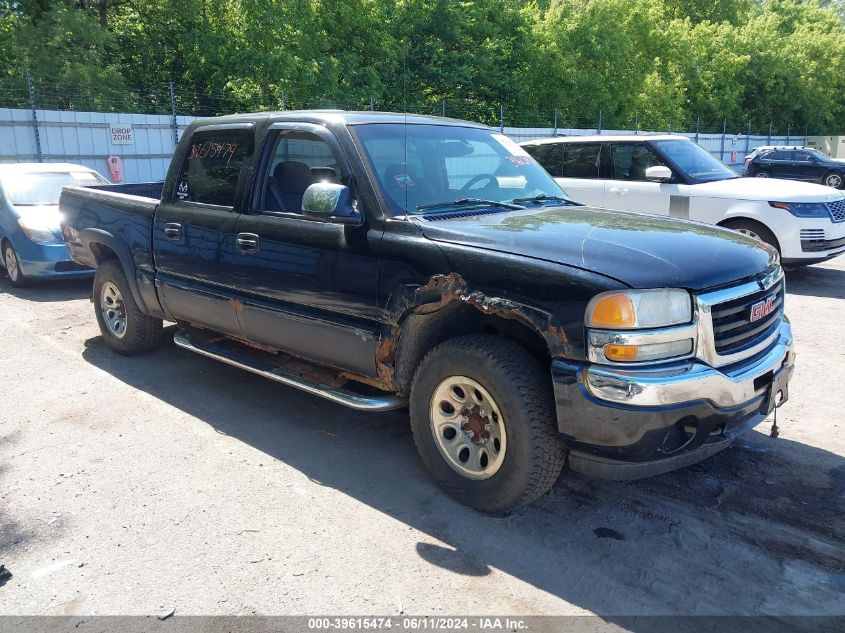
column 383, row 261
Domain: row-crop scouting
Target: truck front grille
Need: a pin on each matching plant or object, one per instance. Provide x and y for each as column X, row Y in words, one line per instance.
column 733, row 327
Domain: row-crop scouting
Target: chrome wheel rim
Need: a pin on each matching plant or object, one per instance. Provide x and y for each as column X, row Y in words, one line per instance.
column 468, row 427
column 11, row 264
column 762, row 174
column 750, row 233
column 113, row 309
column 834, row 180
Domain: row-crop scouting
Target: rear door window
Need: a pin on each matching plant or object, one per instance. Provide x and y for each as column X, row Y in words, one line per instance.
column 581, row 160
column 212, row 166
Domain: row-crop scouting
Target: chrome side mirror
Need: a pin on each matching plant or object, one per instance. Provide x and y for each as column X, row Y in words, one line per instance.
column 330, row 202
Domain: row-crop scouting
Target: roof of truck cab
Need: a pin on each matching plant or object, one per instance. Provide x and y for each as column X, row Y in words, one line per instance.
column 613, row 138
column 342, row 117
column 25, row 168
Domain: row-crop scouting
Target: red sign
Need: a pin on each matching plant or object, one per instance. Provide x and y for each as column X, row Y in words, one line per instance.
column 762, row 309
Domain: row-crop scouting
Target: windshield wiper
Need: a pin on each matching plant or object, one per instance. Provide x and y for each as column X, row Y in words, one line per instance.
column 543, row 197
column 470, row 202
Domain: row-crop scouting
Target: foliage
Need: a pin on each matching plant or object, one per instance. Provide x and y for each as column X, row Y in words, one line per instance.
column 657, row 61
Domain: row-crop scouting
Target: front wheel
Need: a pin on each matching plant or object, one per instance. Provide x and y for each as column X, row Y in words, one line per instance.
column 125, row 328
column 754, row 230
column 13, row 267
column 833, row 180
column 483, row 419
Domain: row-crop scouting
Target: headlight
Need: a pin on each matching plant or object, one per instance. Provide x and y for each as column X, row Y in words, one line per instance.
column 804, row 209
column 640, row 326
column 637, row 309
column 36, row 233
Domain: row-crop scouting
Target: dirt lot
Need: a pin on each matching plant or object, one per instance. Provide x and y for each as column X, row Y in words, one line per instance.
column 170, row 481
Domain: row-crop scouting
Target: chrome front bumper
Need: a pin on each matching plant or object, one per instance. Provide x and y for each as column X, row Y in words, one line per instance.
column 692, row 380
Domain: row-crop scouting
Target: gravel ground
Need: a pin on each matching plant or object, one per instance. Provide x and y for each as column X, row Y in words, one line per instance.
column 173, row 482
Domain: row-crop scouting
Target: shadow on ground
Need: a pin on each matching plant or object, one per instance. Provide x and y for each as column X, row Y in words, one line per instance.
column 756, row 529
column 48, row 290
column 816, row 281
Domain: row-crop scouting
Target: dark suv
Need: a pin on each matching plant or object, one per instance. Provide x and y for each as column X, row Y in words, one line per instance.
column 798, row 164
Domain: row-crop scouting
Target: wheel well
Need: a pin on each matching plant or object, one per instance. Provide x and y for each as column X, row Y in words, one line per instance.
column 730, row 223
column 101, row 252
column 422, row 332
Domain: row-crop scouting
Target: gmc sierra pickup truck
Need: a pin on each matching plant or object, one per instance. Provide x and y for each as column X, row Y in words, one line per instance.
column 384, row 261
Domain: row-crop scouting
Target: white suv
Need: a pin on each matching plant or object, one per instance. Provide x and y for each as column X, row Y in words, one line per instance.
column 671, row 175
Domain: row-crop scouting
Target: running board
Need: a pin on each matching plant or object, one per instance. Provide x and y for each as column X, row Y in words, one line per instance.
column 314, row 379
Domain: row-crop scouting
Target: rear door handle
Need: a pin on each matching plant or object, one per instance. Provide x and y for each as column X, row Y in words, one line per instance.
column 173, row 231
column 248, row 242
column 619, row 190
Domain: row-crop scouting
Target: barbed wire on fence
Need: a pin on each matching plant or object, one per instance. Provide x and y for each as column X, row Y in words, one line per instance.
column 30, row 93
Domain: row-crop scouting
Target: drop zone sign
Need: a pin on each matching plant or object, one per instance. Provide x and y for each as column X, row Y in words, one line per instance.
column 121, row 134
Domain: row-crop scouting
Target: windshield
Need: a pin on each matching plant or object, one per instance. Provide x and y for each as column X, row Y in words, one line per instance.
column 424, row 168
column 694, row 161
column 33, row 188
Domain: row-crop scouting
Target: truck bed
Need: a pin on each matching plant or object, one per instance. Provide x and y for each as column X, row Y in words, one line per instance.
column 142, row 189
column 111, row 219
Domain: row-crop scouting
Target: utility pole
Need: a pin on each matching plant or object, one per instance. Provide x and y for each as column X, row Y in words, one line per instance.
column 173, row 121
column 34, row 107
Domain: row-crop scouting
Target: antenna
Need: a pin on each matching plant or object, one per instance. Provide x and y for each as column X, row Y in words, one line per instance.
column 405, row 124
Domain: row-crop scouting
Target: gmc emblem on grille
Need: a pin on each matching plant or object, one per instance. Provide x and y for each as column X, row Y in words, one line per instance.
column 762, row 309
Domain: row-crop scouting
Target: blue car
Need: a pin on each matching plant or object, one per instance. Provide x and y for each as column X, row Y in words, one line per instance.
column 31, row 242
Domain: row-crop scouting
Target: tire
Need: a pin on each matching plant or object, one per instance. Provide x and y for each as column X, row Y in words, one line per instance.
column 13, row 267
column 755, row 230
column 519, row 413
column 834, row 179
column 125, row 328
column 761, row 174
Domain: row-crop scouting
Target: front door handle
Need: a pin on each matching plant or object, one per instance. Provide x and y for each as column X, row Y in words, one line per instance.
column 619, row 190
column 248, row 242
column 173, row 231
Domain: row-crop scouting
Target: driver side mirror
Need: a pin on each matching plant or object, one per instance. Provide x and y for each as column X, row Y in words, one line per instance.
column 658, row 173
column 330, row 202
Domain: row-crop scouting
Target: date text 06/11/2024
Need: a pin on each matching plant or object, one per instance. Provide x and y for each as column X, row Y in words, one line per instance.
column 417, row 623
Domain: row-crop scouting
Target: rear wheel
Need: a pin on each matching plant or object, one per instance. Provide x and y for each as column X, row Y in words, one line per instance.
column 483, row 419
column 13, row 267
column 833, row 180
column 125, row 328
column 755, row 230
column 761, row 174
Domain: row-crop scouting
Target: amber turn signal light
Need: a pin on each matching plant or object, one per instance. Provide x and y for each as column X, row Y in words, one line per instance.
column 614, row 310
column 621, row 353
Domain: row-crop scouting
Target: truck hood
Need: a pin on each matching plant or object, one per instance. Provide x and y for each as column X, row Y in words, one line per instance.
column 768, row 189
column 643, row 251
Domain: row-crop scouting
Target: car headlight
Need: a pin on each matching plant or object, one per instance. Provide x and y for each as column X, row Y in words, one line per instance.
column 640, row 325
column 804, row 209
column 35, row 232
